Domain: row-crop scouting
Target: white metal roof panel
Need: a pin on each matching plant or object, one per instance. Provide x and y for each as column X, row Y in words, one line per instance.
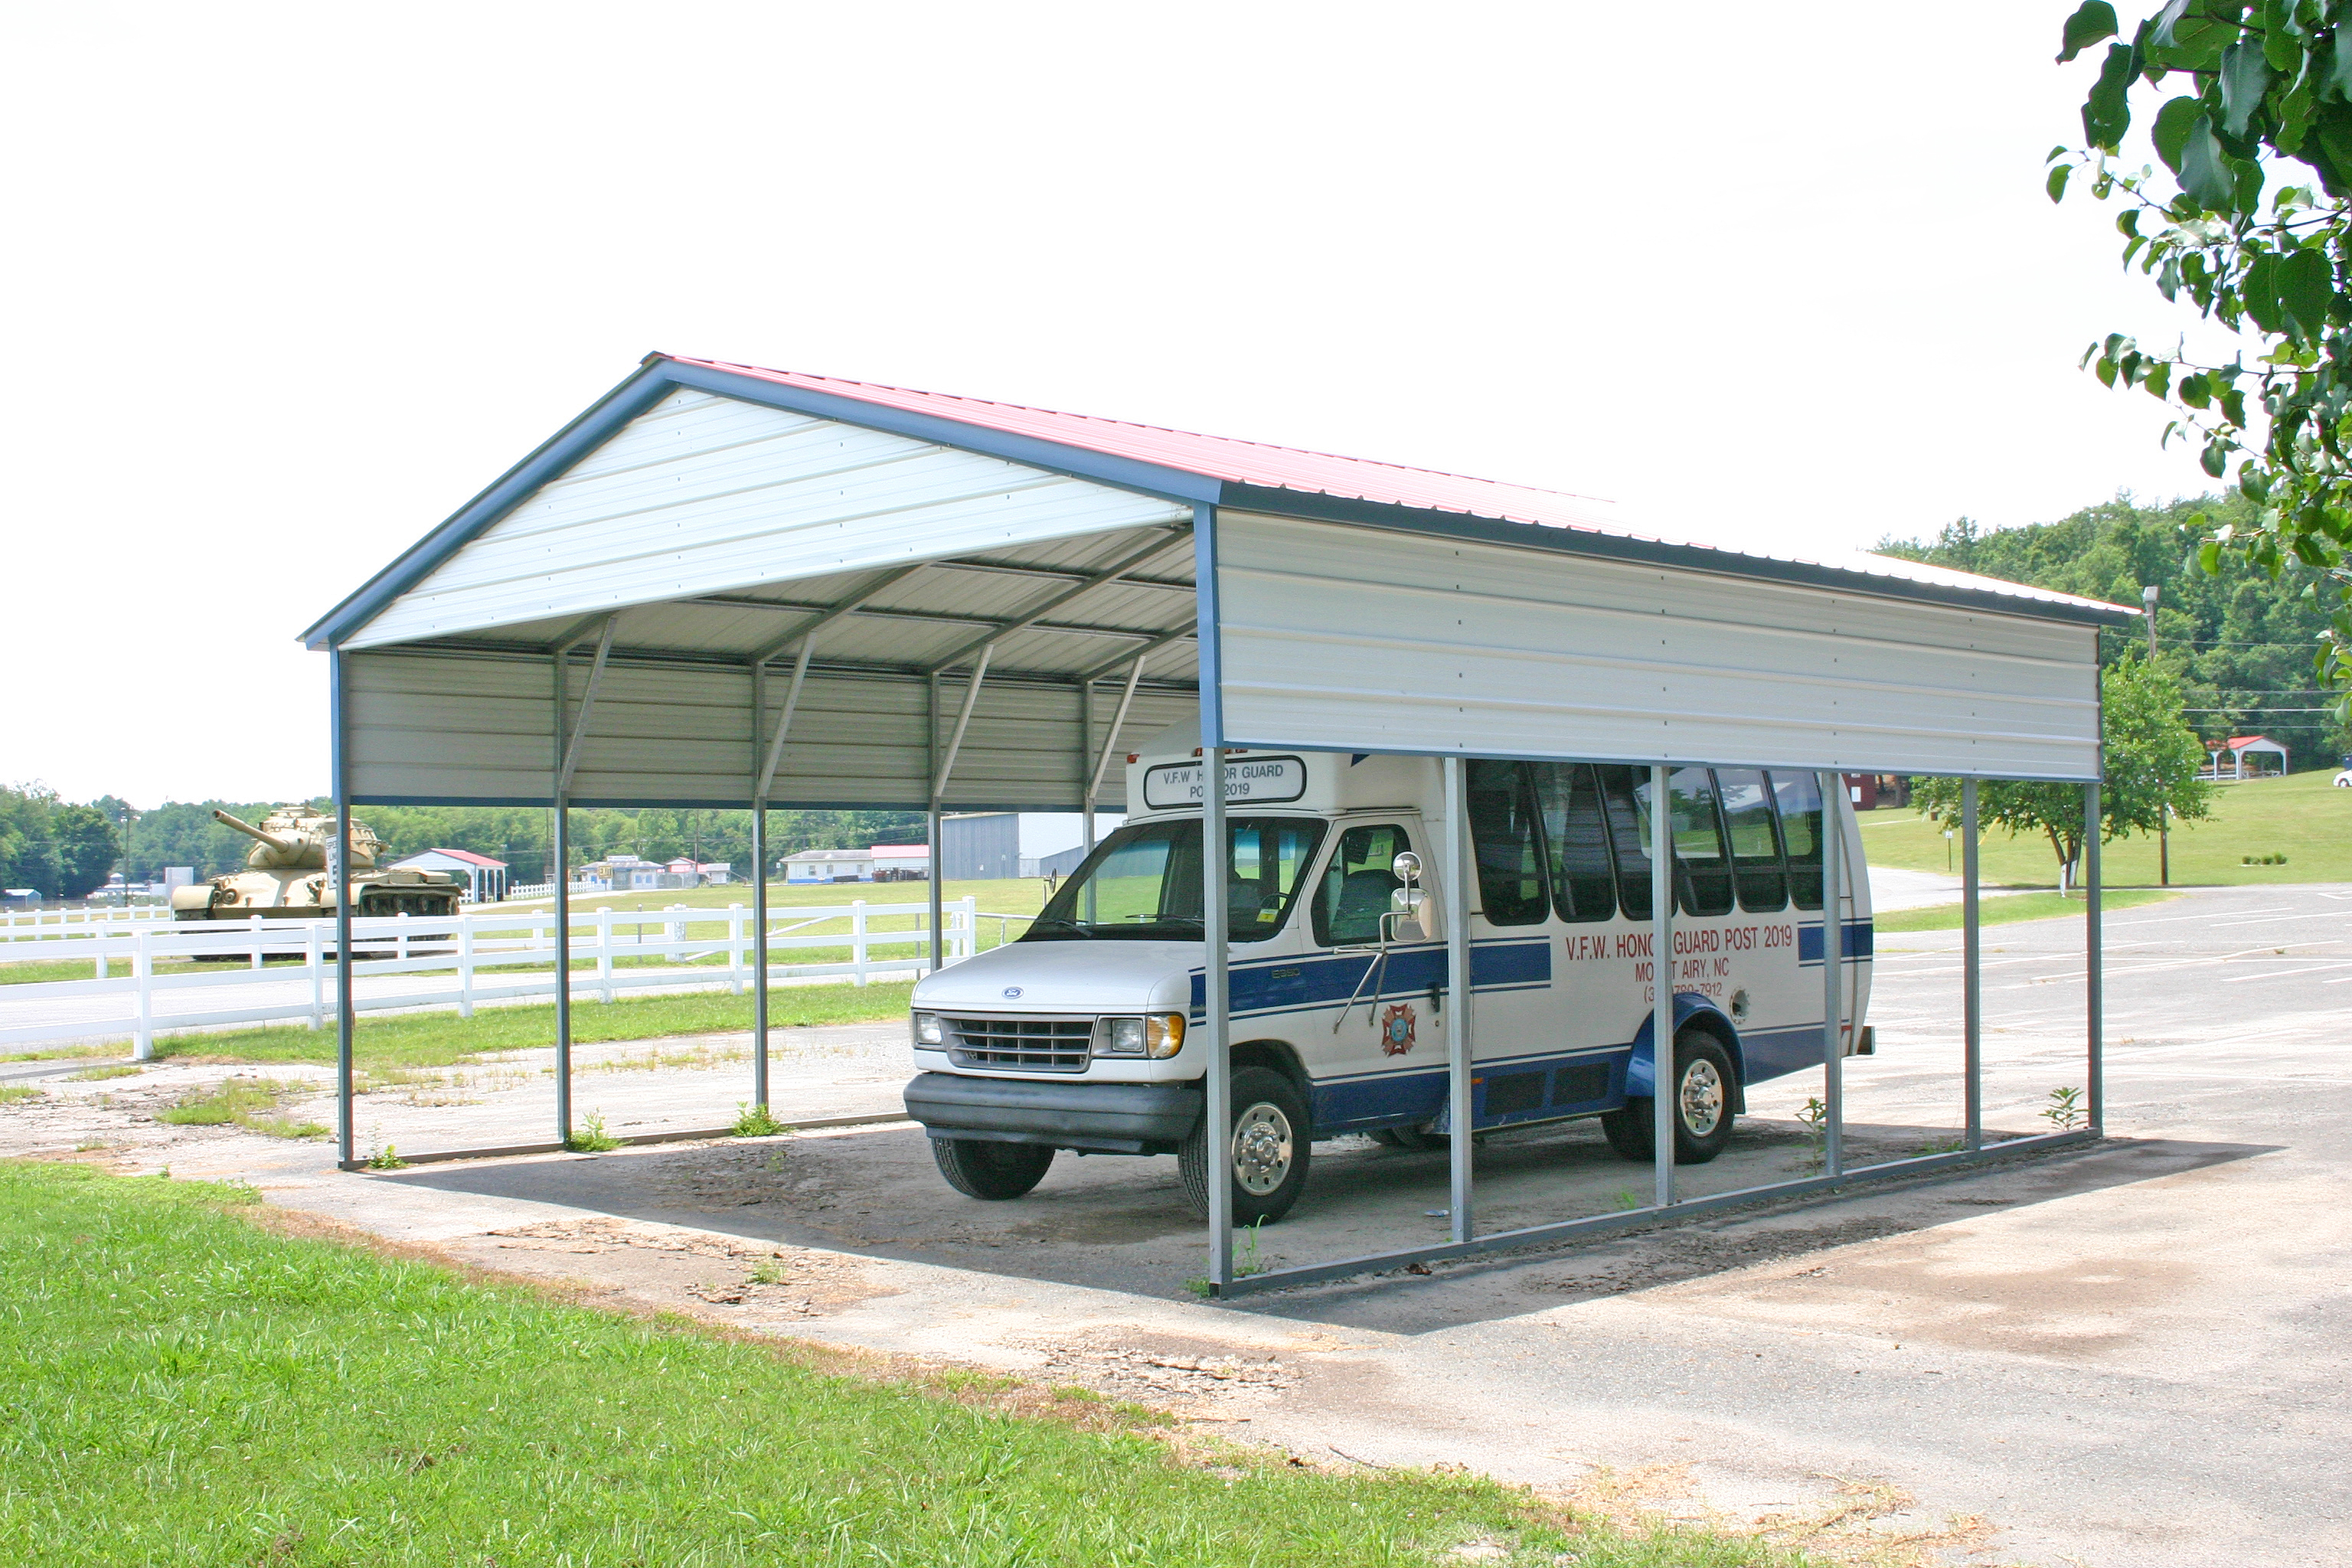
column 702, row 494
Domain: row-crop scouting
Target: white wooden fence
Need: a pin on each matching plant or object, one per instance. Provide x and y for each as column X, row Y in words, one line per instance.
column 438, row 961
column 20, row 925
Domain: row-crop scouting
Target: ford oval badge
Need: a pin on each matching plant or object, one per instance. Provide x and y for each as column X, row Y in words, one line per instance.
column 1011, row 991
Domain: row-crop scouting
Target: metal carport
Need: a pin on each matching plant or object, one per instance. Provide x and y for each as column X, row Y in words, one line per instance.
column 727, row 587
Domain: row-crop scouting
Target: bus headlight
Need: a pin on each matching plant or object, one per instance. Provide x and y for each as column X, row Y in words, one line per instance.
column 1163, row 1035
column 929, row 1031
column 1155, row 1034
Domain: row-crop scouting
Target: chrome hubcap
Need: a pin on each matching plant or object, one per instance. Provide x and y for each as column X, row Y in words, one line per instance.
column 1261, row 1148
column 1702, row 1098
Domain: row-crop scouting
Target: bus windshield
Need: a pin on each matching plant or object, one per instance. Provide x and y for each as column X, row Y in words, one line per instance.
column 1143, row 882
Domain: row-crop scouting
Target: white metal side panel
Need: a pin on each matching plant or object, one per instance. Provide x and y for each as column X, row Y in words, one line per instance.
column 1350, row 639
column 703, row 494
column 460, row 728
column 449, row 727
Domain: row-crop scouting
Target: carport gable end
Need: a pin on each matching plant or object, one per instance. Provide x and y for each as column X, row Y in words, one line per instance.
column 721, row 511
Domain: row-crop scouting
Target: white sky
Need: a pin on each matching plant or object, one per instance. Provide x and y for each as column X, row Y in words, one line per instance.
column 285, row 285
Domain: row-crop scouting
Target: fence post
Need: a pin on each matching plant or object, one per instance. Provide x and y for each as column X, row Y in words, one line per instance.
column 314, row 961
column 971, row 941
column 256, row 923
column 400, row 941
column 605, row 949
column 857, row 940
column 735, row 949
column 465, row 966
column 101, row 956
column 143, row 970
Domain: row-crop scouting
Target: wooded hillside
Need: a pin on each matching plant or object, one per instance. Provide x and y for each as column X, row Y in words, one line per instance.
column 2244, row 642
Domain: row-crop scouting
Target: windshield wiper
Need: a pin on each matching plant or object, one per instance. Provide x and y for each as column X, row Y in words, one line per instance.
column 1042, row 922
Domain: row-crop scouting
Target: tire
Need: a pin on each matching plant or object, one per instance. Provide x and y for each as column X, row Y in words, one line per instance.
column 1419, row 1137
column 995, row 1172
column 1704, row 1074
column 1270, row 1133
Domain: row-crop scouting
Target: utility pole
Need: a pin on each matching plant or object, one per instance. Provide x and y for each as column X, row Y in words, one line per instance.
column 2147, row 598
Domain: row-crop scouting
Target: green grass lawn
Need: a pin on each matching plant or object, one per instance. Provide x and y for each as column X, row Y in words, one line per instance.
column 2012, row 907
column 181, row 1386
column 2301, row 816
column 442, row 1039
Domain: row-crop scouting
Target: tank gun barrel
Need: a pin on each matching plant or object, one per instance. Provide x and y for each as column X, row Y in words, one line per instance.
column 283, row 846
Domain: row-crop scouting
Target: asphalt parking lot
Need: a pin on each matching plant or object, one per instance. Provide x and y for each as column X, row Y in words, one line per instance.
column 2135, row 1354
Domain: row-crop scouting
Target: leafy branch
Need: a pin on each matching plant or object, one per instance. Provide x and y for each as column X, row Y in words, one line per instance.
column 2270, row 83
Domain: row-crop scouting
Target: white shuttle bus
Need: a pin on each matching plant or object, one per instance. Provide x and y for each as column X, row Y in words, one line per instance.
column 1086, row 1034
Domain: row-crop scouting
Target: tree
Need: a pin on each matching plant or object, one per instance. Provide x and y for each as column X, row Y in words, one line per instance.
column 2264, row 87
column 2151, row 760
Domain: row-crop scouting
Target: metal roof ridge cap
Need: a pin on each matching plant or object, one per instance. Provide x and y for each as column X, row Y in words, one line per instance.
column 1009, row 446
column 1715, row 560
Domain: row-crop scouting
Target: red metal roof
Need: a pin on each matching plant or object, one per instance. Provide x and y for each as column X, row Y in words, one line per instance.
column 1359, row 478
column 1218, row 456
column 471, row 858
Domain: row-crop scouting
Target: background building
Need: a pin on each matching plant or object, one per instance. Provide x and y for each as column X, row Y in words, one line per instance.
column 485, row 879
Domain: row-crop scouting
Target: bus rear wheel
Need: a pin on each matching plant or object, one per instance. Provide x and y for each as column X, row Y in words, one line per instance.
column 978, row 1168
column 1703, row 1079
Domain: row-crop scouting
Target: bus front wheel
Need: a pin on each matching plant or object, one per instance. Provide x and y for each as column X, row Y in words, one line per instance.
column 1704, row 1081
column 1264, row 1152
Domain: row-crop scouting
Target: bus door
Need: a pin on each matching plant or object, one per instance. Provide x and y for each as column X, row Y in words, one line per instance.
column 1519, row 1027
column 1381, row 978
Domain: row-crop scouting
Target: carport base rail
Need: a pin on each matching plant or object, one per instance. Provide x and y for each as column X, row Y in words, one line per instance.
column 1634, row 1219
column 510, row 1151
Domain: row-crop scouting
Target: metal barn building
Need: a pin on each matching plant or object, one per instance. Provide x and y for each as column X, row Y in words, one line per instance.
column 723, row 585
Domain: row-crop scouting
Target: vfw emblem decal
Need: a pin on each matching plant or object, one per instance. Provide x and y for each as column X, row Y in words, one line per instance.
column 1396, row 1028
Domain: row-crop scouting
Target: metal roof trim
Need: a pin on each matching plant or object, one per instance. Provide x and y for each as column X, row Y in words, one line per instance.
column 2002, row 598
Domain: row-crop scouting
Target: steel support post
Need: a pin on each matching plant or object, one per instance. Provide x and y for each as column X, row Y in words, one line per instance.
column 563, row 877
column 760, row 952
column 1461, row 1101
column 346, row 1015
column 1832, row 974
column 1662, row 982
column 937, row 841
column 1217, row 1114
column 1087, row 766
column 1971, row 969
column 2094, row 965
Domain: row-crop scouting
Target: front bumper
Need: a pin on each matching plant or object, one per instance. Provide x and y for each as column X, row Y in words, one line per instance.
column 1100, row 1118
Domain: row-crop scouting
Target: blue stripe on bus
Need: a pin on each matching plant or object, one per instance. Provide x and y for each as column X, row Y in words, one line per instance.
column 1857, row 938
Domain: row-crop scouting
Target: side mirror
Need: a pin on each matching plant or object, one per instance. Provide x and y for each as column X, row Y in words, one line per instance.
column 1404, row 903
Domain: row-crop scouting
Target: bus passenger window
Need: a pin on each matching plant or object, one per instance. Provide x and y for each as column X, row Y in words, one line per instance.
column 1629, row 836
column 1583, row 887
column 1702, row 872
column 1355, row 886
column 1755, row 853
column 1799, row 799
column 1503, row 834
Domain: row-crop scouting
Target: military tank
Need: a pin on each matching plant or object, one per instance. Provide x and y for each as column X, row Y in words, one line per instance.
column 286, row 875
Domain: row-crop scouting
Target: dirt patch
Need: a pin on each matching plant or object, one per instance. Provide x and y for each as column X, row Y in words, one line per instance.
column 759, row 1282
column 1161, row 1369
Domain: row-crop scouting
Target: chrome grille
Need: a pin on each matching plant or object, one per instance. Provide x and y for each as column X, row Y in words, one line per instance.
column 1026, row 1045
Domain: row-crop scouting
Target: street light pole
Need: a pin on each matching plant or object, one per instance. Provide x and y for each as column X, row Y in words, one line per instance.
column 2147, row 598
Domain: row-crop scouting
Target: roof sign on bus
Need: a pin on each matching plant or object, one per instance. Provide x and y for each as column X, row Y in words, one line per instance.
column 1254, row 779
